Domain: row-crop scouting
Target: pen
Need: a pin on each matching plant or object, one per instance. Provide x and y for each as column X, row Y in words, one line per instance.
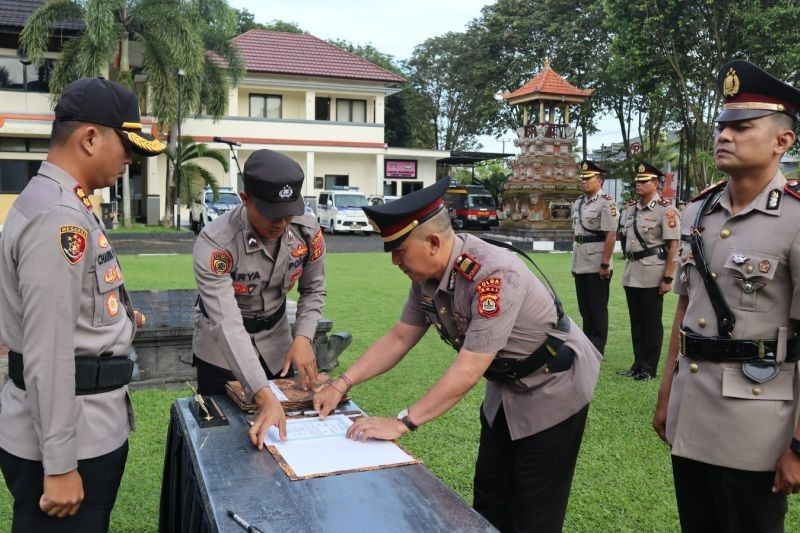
column 242, row 522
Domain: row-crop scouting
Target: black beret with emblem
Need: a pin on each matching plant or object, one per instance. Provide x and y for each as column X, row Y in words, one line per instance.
column 396, row 220
column 104, row 102
column 646, row 172
column 751, row 92
column 274, row 182
column 589, row 170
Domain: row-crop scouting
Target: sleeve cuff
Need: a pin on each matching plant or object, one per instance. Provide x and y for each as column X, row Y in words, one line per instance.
column 59, row 459
column 306, row 328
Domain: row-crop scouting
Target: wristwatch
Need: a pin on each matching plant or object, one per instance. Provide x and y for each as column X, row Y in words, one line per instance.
column 667, row 279
column 795, row 446
column 604, row 265
column 402, row 416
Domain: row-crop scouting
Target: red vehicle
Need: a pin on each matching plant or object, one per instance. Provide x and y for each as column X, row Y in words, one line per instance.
column 470, row 206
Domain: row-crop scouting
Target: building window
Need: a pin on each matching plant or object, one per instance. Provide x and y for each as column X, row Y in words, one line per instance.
column 21, row 144
column 15, row 174
column 351, row 110
column 322, row 108
column 18, row 76
column 265, row 105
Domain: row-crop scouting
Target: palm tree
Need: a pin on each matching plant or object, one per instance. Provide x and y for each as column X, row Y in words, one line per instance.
column 493, row 177
column 172, row 35
column 193, row 176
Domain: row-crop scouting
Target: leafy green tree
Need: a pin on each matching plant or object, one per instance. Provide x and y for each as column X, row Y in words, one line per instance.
column 193, row 176
column 246, row 22
column 494, row 177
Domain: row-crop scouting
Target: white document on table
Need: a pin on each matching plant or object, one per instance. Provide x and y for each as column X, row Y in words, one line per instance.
column 317, row 447
column 277, row 392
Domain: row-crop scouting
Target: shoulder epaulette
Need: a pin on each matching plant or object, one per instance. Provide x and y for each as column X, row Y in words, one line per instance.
column 708, row 190
column 606, row 196
column 467, row 266
column 664, row 202
column 792, row 188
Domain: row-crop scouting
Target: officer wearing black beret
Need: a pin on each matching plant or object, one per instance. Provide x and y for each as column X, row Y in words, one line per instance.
column 245, row 263
column 504, row 324
column 729, row 397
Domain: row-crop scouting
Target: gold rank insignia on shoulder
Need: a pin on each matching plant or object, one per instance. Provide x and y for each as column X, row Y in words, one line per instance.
column 467, row 266
column 81, row 194
column 73, row 243
column 730, row 87
column 221, row 262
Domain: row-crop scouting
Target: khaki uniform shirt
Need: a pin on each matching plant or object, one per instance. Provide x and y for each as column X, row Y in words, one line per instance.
column 657, row 222
column 717, row 415
column 502, row 308
column 598, row 213
column 236, row 277
column 61, row 296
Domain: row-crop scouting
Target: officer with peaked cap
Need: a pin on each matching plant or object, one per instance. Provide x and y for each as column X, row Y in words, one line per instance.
column 66, row 317
column 649, row 230
column 728, row 402
column 504, row 324
column 245, row 263
column 594, row 224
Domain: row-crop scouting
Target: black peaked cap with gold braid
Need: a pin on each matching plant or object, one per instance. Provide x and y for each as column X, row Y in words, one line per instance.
column 647, row 172
column 396, row 220
column 104, row 102
column 590, row 169
column 751, row 92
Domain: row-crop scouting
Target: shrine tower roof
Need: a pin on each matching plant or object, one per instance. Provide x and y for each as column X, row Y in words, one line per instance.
column 548, row 85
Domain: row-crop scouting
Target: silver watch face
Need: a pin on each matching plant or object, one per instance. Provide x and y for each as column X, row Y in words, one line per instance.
column 402, row 414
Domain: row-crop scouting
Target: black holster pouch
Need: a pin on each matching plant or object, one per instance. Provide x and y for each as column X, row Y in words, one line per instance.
column 93, row 374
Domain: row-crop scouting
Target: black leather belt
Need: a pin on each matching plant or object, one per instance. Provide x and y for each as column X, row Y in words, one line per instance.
column 659, row 250
column 720, row 349
column 584, row 239
column 553, row 352
column 93, row 373
column 255, row 325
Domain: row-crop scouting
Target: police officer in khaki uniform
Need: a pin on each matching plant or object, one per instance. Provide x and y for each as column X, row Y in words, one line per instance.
column 650, row 229
column 594, row 223
column 728, row 402
column 505, row 325
column 245, row 264
column 65, row 414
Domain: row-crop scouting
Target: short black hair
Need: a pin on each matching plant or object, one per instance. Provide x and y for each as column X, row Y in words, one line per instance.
column 63, row 130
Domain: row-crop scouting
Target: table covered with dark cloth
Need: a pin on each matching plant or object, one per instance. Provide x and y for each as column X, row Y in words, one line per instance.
column 210, row 470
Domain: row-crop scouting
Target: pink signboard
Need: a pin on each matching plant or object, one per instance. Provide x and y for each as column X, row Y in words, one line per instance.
column 401, row 169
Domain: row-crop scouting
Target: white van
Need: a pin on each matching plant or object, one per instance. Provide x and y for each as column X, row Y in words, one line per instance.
column 340, row 211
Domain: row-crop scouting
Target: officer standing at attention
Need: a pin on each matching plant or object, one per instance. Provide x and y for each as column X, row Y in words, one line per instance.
column 505, row 325
column 66, row 317
column 728, row 402
column 594, row 223
column 245, row 263
column 650, row 229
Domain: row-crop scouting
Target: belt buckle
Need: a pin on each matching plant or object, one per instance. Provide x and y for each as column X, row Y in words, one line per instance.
column 682, row 343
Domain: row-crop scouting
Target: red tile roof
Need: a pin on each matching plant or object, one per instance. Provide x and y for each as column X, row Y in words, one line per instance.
column 548, row 82
column 305, row 55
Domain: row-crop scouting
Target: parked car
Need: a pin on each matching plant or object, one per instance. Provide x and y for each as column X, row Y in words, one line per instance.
column 340, row 210
column 378, row 199
column 470, row 206
column 205, row 209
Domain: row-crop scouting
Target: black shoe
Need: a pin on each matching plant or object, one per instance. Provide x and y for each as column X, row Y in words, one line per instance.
column 627, row 373
column 643, row 376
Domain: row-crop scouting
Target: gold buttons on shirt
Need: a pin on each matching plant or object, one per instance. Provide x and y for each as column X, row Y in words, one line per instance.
column 756, row 391
column 694, row 368
column 748, row 268
column 713, row 275
column 725, row 233
column 443, row 310
column 702, row 322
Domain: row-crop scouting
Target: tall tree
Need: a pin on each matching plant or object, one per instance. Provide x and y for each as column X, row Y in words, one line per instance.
column 246, row 21
column 194, row 176
column 171, row 35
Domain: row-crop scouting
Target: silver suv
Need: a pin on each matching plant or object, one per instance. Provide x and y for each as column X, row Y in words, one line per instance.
column 205, row 209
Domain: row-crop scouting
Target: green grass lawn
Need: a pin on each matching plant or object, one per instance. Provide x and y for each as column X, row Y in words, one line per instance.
column 141, row 228
column 623, row 480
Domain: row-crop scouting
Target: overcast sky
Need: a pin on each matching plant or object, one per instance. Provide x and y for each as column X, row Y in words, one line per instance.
column 393, row 27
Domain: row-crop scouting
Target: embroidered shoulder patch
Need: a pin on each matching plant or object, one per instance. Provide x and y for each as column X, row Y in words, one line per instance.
column 467, row 266
column 221, row 262
column 299, row 251
column 613, row 210
column 73, row 243
column 792, row 187
column 82, row 196
column 317, row 246
column 672, row 219
column 488, row 297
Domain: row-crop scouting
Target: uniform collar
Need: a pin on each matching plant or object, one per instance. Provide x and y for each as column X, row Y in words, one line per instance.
column 252, row 242
column 58, row 175
column 651, row 204
column 769, row 201
column 449, row 271
column 593, row 198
